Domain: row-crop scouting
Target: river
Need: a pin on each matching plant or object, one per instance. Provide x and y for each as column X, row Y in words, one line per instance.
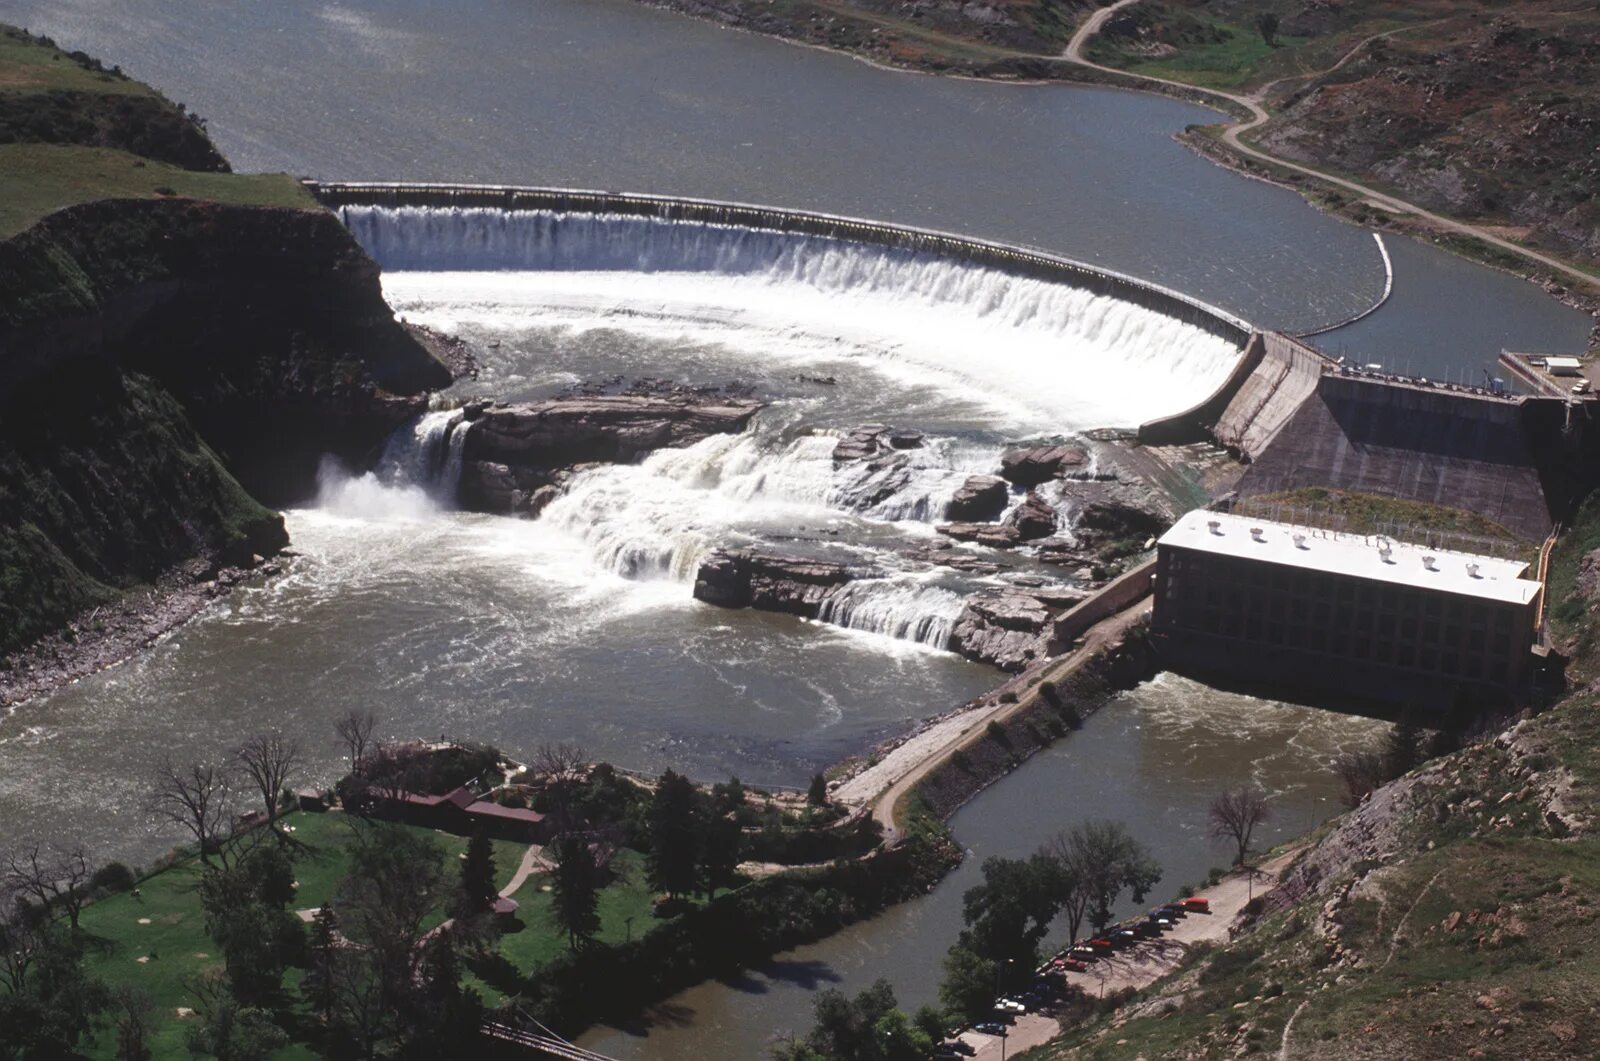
column 580, row 626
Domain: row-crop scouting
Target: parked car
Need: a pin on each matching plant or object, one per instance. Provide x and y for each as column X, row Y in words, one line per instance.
column 1101, row 945
column 1197, row 905
column 989, row 1027
column 1077, row 966
column 1082, row 952
column 1147, row 930
column 1123, row 937
column 1172, row 910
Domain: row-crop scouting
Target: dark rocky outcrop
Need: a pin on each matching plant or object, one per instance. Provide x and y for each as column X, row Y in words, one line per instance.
column 1115, row 514
column 516, row 456
column 994, row 535
column 1034, row 518
column 1040, row 464
column 1009, row 628
column 267, row 325
column 972, row 563
column 980, row 498
column 863, row 443
column 747, row 578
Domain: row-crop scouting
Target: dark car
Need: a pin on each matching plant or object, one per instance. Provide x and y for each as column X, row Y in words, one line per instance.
column 1123, row 937
column 1172, row 910
column 990, row 1027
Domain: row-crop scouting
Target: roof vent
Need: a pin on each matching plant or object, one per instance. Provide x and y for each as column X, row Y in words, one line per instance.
column 1214, row 525
column 1431, row 563
column 1385, row 551
column 1300, row 542
column 1258, row 534
column 1472, row 571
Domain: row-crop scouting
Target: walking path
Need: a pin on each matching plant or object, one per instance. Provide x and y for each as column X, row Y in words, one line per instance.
column 1144, row 963
column 1233, row 132
column 904, row 768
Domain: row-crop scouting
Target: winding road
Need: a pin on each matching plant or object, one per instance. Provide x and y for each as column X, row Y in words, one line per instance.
column 1232, row 135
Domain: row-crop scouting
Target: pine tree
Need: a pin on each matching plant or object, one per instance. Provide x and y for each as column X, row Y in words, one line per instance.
column 477, row 892
column 817, row 794
column 719, row 861
column 675, row 836
column 575, row 890
column 318, row 985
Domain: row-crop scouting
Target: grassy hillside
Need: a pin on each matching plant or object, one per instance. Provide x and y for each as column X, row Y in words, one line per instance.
column 56, row 97
column 1482, row 110
column 168, row 332
column 41, row 178
column 1455, row 913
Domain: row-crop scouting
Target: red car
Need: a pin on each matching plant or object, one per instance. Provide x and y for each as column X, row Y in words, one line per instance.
column 1076, row 966
column 1101, row 946
column 1197, row 905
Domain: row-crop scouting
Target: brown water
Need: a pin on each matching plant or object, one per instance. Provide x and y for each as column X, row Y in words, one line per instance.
column 1153, row 759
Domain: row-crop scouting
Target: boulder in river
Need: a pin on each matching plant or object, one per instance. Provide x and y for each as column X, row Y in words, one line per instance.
column 980, row 498
column 1034, row 518
column 516, row 451
column 623, row 427
column 1009, row 628
column 994, row 535
column 774, row 582
column 1040, row 464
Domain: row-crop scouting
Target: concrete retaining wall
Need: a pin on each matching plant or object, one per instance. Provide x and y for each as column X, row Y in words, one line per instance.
column 1013, row 259
column 1112, row 598
column 1286, row 377
column 1198, row 423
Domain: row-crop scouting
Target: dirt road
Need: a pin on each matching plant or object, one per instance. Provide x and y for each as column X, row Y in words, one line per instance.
column 1258, row 116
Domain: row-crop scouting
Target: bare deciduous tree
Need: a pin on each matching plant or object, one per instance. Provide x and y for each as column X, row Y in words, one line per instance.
column 198, row 797
column 560, row 762
column 1360, row 772
column 355, row 733
column 268, row 759
column 1234, row 815
column 22, row 940
column 53, row 879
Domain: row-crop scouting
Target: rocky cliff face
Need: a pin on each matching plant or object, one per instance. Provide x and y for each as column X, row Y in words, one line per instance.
column 268, row 325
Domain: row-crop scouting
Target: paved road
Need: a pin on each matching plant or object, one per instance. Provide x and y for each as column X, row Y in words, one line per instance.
column 1258, row 115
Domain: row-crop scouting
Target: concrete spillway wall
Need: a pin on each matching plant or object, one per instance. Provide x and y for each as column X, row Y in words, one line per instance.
column 1481, row 454
column 1025, row 261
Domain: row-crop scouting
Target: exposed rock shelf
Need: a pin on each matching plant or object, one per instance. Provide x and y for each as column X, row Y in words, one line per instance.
column 516, row 455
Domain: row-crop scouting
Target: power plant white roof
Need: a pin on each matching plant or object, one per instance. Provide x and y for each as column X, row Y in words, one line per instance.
column 1353, row 555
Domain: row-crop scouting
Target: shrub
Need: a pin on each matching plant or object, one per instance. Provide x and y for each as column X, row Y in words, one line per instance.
column 113, row 877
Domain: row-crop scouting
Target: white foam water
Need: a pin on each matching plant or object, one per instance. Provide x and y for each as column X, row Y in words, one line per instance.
column 1036, row 355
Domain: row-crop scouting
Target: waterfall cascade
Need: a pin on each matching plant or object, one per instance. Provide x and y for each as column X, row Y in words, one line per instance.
column 909, row 609
column 991, row 353
column 426, row 453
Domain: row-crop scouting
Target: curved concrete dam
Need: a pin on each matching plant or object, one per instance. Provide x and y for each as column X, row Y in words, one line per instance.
column 443, row 226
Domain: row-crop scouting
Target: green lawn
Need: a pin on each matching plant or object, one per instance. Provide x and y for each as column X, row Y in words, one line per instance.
column 41, row 178
column 538, row 940
column 164, row 925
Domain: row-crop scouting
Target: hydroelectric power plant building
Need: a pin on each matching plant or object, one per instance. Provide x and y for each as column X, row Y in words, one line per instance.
column 1376, row 619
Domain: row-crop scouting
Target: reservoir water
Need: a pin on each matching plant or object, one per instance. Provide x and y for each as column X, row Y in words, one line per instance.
column 580, row 625
column 610, row 94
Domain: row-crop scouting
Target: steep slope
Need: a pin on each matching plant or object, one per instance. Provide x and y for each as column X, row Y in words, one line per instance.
column 177, row 346
column 1454, row 913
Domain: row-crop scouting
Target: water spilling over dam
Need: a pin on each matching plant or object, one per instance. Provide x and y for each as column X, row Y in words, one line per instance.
column 973, row 345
